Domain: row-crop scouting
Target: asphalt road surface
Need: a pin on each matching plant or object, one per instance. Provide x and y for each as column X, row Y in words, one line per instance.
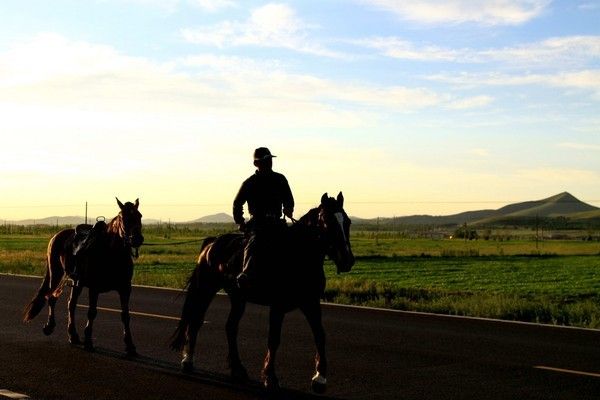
column 373, row 354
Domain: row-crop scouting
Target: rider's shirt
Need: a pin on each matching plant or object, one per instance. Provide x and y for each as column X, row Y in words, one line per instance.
column 266, row 193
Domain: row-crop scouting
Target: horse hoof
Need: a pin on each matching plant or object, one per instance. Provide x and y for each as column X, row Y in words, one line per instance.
column 187, row 367
column 239, row 374
column 89, row 347
column 74, row 340
column 48, row 329
column 271, row 383
column 318, row 384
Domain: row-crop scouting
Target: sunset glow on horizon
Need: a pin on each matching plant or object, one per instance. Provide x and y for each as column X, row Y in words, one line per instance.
column 406, row 107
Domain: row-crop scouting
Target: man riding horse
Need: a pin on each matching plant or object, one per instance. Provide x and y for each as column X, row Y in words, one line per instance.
column 267, row 193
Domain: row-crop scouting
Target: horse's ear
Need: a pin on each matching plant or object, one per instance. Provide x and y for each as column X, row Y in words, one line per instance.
column 324, row 198
column 137, row 203
column 340, row 199
column 119, row 203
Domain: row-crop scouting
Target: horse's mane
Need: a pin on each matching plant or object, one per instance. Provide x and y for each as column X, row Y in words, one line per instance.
column 116, row 226
column 310, row 218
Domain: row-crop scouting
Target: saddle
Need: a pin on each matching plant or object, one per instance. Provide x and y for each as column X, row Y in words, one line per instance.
column 86, row 236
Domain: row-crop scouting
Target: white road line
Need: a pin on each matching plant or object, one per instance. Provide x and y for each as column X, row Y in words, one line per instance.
column 12, row 395
column 143, row 314
column 568, row 371
column 387, row 310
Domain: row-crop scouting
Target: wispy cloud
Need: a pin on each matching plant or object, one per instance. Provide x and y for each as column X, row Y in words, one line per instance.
column 588, row 80
column 491, row 12
column 213, row 5
column 272, row 25
column 168, row 6
column 470, row 103
column 558, row 52
column 588, row 6
column 396, row 47
column 564, row 51
column 57, row 72
column 580, row 146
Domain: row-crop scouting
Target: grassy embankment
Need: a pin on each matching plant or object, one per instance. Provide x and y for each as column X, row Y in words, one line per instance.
column 551, row 281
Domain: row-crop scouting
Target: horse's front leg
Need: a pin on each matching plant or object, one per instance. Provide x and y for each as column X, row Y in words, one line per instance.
column 312, row 312
column 71, row 328
column 269, row 378
column 124, row 296
column 238, row 305
column 91, row 315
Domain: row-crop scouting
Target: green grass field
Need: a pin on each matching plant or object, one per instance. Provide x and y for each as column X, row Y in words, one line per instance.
column 555, row 282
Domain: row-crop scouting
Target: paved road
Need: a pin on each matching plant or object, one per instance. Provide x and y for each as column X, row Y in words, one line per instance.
column 373, row 354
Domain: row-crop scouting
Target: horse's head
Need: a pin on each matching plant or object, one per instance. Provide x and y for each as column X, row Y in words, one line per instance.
column 334, row 221
column 131, row 228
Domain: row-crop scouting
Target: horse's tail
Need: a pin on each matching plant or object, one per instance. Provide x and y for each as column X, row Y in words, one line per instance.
column 39, row 300
column 192, row 298
column 53, row 279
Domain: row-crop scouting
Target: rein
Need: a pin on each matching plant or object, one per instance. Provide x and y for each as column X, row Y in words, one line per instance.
column 174, row 243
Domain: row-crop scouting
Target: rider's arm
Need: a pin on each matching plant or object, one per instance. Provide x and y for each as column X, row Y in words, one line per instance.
column 238, row 205
column 288, row 199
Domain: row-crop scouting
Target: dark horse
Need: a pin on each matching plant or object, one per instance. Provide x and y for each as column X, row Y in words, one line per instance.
column 107, row 266
column 296, row 280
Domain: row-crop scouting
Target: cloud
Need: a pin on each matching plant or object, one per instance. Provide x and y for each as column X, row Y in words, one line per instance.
column 56, row 74
column 168, row 6
column 564, row 51
column 561, row 52
column 588, row 6
column 491, row 12
column 272, row 25
column 587, row 80
column 580, row 146
column 212, row 5
column 470, row 102
column 396, row 47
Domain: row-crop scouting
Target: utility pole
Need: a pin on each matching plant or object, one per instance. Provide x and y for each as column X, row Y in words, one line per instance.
column 86, row 219
column 537, row 232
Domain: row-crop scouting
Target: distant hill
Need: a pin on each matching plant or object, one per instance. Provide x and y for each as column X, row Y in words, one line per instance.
column 524, row 213
column 70, row 220
column 214, row 219
column 561, row 205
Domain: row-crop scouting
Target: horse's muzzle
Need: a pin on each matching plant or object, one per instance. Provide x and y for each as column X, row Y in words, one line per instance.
column 136, row 240
column 344, row 261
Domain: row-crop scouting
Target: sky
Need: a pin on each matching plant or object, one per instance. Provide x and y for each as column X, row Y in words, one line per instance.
column 407, row 107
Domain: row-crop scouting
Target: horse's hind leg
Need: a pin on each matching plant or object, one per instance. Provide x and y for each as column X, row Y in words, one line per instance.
column 71, row 328
column 56, row 275
column 268, row 376
column 204, row 297
column 312, row 312
column 238, row 372
column 51, row 323
column 124, row 296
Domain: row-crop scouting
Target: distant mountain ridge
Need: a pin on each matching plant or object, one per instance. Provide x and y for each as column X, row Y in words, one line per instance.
column 214, row 219
column 561, row 205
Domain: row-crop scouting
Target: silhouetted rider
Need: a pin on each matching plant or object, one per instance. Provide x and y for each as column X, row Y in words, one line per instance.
column 267, row 194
